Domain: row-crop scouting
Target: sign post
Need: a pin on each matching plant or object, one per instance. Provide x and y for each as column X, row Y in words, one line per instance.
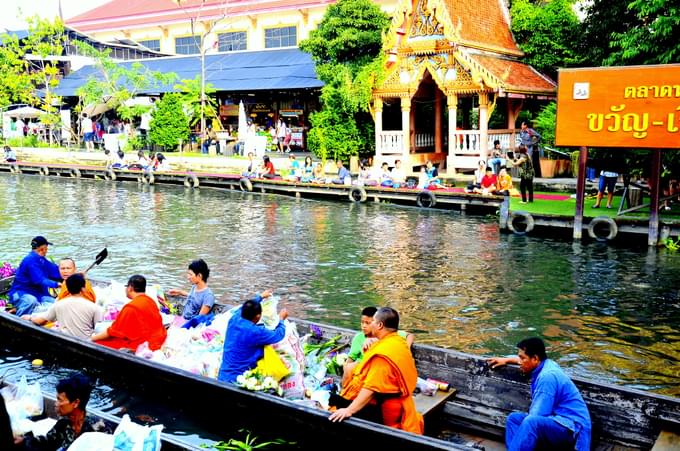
column 621, row 107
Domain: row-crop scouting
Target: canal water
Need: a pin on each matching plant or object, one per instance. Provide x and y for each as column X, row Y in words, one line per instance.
column 608, row 313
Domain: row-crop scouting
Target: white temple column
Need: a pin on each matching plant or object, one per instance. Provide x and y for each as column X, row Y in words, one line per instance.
column 438, row 138
column 406, row 128
column 378, row 110
column 483, row 125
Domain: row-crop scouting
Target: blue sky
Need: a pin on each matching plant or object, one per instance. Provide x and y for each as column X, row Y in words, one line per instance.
column 15, row 10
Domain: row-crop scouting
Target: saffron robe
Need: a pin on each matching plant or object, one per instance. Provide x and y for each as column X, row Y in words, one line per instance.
column 388, row 369
column 138, row 321
column 87, row 292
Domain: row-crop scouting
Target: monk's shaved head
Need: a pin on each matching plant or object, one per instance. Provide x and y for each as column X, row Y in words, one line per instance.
column 388, row 316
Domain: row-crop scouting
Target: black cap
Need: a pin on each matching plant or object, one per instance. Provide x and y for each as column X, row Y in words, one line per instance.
column 39, row 241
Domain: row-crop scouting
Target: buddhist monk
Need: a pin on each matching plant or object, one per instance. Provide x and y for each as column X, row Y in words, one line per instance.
column 384, row 381
column 138, row 321
column 67, row 267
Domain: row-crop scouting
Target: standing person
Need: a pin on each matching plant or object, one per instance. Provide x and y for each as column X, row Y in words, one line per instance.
column 73, row 394
column 530, row 139
column 607, row 180
column 87, row 132
column 139, row 321
column 526, row 174
column 287, row 138
column 245, row 340
column 67, row 267
column 75, row 314
column 280, row 134
column 10, row 155
column 381, row 386
column 200, row 298
column 145, row 126
column 209, row 138
column 558, row 417
column 35, row 276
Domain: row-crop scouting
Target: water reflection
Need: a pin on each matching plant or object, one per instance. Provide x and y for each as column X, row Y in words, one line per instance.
column 608, row 313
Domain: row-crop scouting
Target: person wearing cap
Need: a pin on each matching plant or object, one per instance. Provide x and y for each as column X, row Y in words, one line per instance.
column 35, row 276
column 67, row 267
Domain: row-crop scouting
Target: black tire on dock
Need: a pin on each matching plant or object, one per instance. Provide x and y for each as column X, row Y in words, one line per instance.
column 520, row 222
column 426, row 199
column 357, row 194
column 245, row 184
column 191, row 181
column 603, row 228
column 75, row 173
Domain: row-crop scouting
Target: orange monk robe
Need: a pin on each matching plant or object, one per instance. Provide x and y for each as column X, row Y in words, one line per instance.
column 138, row 321
column 87, row 292
column 388, row 368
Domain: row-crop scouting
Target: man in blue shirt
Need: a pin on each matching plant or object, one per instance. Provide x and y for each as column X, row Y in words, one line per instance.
column 245, row 340
column 343, row 174
column 35, row 276
column 558, row 417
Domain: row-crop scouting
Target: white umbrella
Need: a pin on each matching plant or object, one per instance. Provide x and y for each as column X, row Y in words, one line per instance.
column 25, row 112
column 94, row 109
column 242, row 122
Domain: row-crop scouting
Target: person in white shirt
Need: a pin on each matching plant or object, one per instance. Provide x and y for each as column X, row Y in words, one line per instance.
column 87, row 132
column 398, row 175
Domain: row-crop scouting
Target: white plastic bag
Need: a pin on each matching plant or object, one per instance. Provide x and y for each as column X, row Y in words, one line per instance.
column 130, row 436
column 22, row 401
column 92, row 441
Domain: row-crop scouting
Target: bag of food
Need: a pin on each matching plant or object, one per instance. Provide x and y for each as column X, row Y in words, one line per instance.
column 271, row 364
column 130, row 436
column 92, row 441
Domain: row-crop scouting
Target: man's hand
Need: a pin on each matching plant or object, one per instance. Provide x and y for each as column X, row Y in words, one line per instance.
column 283, row 314
column 174, row 292
column 496, row 362
column 368, row 343
column 266, row 293
column 340, row 415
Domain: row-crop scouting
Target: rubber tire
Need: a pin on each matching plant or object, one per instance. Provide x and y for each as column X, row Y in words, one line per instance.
column 191, row 181
column 613, row 228
column 426, row 199
column 75, row 173
column 357, row 194
column 526, row 217
column 245, row 184
column 110, row 175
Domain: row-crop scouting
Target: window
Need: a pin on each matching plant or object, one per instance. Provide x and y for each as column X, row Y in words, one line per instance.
column 187, row 45
column 280, row 37
column 152, row 44
column 228, row 42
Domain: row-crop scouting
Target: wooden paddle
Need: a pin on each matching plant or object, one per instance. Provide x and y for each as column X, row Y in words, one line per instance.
column 98, row 259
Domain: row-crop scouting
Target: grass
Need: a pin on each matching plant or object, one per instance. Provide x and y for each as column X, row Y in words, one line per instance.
column 567, row 208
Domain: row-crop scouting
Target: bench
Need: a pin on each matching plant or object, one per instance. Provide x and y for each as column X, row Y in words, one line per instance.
column 426, row 405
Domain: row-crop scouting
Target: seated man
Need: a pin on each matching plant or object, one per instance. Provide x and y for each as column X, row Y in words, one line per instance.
column 245, row 340
column 294, row 171
column 35, row 276
column 75, row 314
column 139, row 321
column 363, row 340
column 496, row 160
column 67, row 267
column 398, row 175
column 343, row 175
column 381, row 386
column 558, row 417
column 488, row 183
column 200, row 298
column 433, row 175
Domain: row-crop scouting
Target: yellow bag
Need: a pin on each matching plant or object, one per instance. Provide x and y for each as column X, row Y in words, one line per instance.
column 272, row 365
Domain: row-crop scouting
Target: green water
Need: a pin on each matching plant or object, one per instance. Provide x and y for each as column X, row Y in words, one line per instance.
column 608, row 313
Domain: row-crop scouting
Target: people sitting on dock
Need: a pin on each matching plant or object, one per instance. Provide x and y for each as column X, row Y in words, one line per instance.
column 294, row 171
column 480, row 172
column 267, row 170
column 319, row 174
column 73, row 394
column 119, row 161
column 385, row 175
column 246, row 339
column 160, row 163
column 558, row 417
column 307, row 170
column 108, row 159
column 139, row 321
column 344, row 177
column 381, row 386
column 200, row 298
column 363, row 340
column 398, row 175
column 503, row 183
column 488, row 183
column 142, row 162
column 365, row 177
column 67, row 267
column 10, row 155
column 75, row 314
column 34, row 278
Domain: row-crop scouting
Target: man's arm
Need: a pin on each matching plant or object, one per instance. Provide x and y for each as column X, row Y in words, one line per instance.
column 363, row 398
column 100, row 336
column 496, row 362
column 267, row 337
column 409, row 340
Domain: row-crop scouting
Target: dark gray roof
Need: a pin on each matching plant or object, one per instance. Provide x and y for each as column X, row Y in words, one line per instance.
column 237, row 71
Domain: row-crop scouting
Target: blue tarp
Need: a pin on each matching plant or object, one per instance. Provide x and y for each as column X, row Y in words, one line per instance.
column 237, row 71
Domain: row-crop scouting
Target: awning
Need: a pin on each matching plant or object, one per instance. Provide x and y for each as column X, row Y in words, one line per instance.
column 235, row 71
column 26, row 112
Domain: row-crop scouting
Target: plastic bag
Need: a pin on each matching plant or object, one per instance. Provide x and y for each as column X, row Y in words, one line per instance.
column 271, row 364
column 22, row 401
column 92, row 441
column 130, row 436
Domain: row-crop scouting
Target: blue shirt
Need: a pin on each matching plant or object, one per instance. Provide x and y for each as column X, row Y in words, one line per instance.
column 35, row 276
column 196, row 300
column 244, row 345
column 343, row 172
column 554, row 395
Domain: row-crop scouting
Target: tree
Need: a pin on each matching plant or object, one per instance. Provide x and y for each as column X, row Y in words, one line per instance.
column 191, row 99
column 346, row 48
column 169, row 124
column 547, row 32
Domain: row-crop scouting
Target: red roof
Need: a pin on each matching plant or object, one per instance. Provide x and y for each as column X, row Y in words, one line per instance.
column 483, row 24
column 516, row 76
column 127, row 14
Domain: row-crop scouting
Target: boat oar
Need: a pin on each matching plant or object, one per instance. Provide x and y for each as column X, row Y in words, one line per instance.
column 98, row 259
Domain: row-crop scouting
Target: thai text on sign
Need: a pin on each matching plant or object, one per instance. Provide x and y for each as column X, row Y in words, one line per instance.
column 633, row 106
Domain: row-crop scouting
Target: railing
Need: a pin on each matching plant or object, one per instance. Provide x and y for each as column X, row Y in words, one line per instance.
column 509, row 138
column 424, row 140
column 391, row 142
column 467, row 142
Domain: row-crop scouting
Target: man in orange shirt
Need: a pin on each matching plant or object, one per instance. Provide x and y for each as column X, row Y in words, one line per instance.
column 67, row 267
column 139, row 321
column 384, row 381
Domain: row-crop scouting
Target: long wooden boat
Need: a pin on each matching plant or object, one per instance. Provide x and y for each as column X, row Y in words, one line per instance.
column 110, row 422
column 622, row 418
